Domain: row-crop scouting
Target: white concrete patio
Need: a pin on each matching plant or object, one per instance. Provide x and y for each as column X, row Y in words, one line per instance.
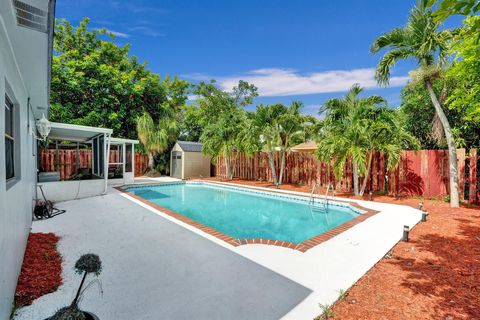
column 156, row 267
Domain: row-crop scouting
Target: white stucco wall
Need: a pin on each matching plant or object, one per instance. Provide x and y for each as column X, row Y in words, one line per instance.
column 16, row 201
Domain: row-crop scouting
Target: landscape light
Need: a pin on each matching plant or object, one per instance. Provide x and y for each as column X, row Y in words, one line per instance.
column 406, row 231
column 424, row 215
column 43, row 127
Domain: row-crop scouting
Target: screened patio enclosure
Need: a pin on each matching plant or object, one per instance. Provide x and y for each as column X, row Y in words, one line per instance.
column 81, row 161
column 121, row 167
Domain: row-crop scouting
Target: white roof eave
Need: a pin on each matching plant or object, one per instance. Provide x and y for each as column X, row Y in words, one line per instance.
column 122, row 140
column 73, row 132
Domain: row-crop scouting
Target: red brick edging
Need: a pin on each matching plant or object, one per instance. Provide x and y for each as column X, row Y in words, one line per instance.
column 302, row 246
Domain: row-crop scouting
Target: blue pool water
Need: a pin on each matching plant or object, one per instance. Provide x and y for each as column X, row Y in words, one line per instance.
column 241, row 213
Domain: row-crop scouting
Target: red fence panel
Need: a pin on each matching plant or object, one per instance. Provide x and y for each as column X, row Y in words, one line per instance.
column 419, row 173
column 141, row 164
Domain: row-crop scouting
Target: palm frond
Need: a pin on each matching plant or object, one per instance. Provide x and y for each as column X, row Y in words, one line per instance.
column 383, row 70
column 393, row 39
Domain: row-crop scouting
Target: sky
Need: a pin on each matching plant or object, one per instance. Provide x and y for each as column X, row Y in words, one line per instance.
column 308, row 50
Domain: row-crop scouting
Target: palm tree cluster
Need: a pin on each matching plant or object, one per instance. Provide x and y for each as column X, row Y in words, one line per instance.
column 274, row 129
column 355, row 128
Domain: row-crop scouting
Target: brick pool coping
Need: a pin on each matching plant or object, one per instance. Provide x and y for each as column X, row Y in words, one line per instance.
column 302, row 246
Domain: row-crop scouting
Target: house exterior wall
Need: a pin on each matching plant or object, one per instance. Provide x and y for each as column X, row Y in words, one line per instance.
column 16, row 196
column 195, row 164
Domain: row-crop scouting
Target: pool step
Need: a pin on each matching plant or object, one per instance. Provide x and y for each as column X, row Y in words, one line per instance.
column 319, row 208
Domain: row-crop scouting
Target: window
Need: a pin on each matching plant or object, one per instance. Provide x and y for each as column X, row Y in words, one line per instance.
column 9, row 140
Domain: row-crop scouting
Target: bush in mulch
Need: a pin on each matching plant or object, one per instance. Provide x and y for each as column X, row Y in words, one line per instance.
column 41, row 270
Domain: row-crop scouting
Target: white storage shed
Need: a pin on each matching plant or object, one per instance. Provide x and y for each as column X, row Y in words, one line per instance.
column 187, row 161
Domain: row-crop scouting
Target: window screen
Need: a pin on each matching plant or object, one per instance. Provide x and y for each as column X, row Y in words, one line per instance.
column 128, row 157
column 95, row 156
column 101, row 155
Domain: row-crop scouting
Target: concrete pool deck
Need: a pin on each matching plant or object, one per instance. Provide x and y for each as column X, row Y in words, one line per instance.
column 156, row 266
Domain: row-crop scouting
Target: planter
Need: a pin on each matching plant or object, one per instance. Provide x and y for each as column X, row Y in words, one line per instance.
column 90, row 316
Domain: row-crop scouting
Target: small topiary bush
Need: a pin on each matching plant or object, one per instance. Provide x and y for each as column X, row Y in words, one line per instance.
column 89, row 263
column 86, row 264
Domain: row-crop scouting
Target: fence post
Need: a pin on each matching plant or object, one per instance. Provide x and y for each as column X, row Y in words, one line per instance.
column 473, row 176
column 461, row 172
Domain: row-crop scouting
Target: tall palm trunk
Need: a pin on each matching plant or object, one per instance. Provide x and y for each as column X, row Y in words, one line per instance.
column 151, row 163
column 364, row 184
column 228, row 166
column 282, row 165
column 452, row 151
column 355, row 179
column 271, row 160
column 282, row 168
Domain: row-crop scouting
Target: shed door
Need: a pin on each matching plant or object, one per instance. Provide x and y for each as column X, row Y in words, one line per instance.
column 177, row 164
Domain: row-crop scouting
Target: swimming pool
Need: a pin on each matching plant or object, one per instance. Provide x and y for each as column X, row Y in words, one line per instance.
column 248, row 214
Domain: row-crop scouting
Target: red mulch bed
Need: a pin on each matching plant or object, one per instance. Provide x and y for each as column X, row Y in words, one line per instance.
column 436, row 275
column 41, row 270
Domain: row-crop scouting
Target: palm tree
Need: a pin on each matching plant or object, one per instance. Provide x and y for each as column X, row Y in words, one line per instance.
column 385, row 131
column 266, row 131
column 274, row 129
column 355, row 128
column 292, row 132
column 420, row 39
column 155, row 137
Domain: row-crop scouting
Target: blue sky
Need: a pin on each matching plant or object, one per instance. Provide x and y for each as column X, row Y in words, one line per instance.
column 292, row 50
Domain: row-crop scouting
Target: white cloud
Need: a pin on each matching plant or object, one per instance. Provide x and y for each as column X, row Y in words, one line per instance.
column 146, row 31
column 276, row 82
column 116, row 33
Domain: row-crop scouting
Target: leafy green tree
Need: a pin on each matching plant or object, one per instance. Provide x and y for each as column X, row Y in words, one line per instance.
column 190, row 127
column 420, row 40
column 421, row 120
column 97, row 83
column 155, row 137
column 355, row 128
column 222, row 117
column 221, row 137
column 447, row 8
column 465, row 72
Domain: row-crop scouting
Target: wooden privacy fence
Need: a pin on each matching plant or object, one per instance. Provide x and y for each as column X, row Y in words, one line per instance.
column 422, row 173
column 69, row 161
